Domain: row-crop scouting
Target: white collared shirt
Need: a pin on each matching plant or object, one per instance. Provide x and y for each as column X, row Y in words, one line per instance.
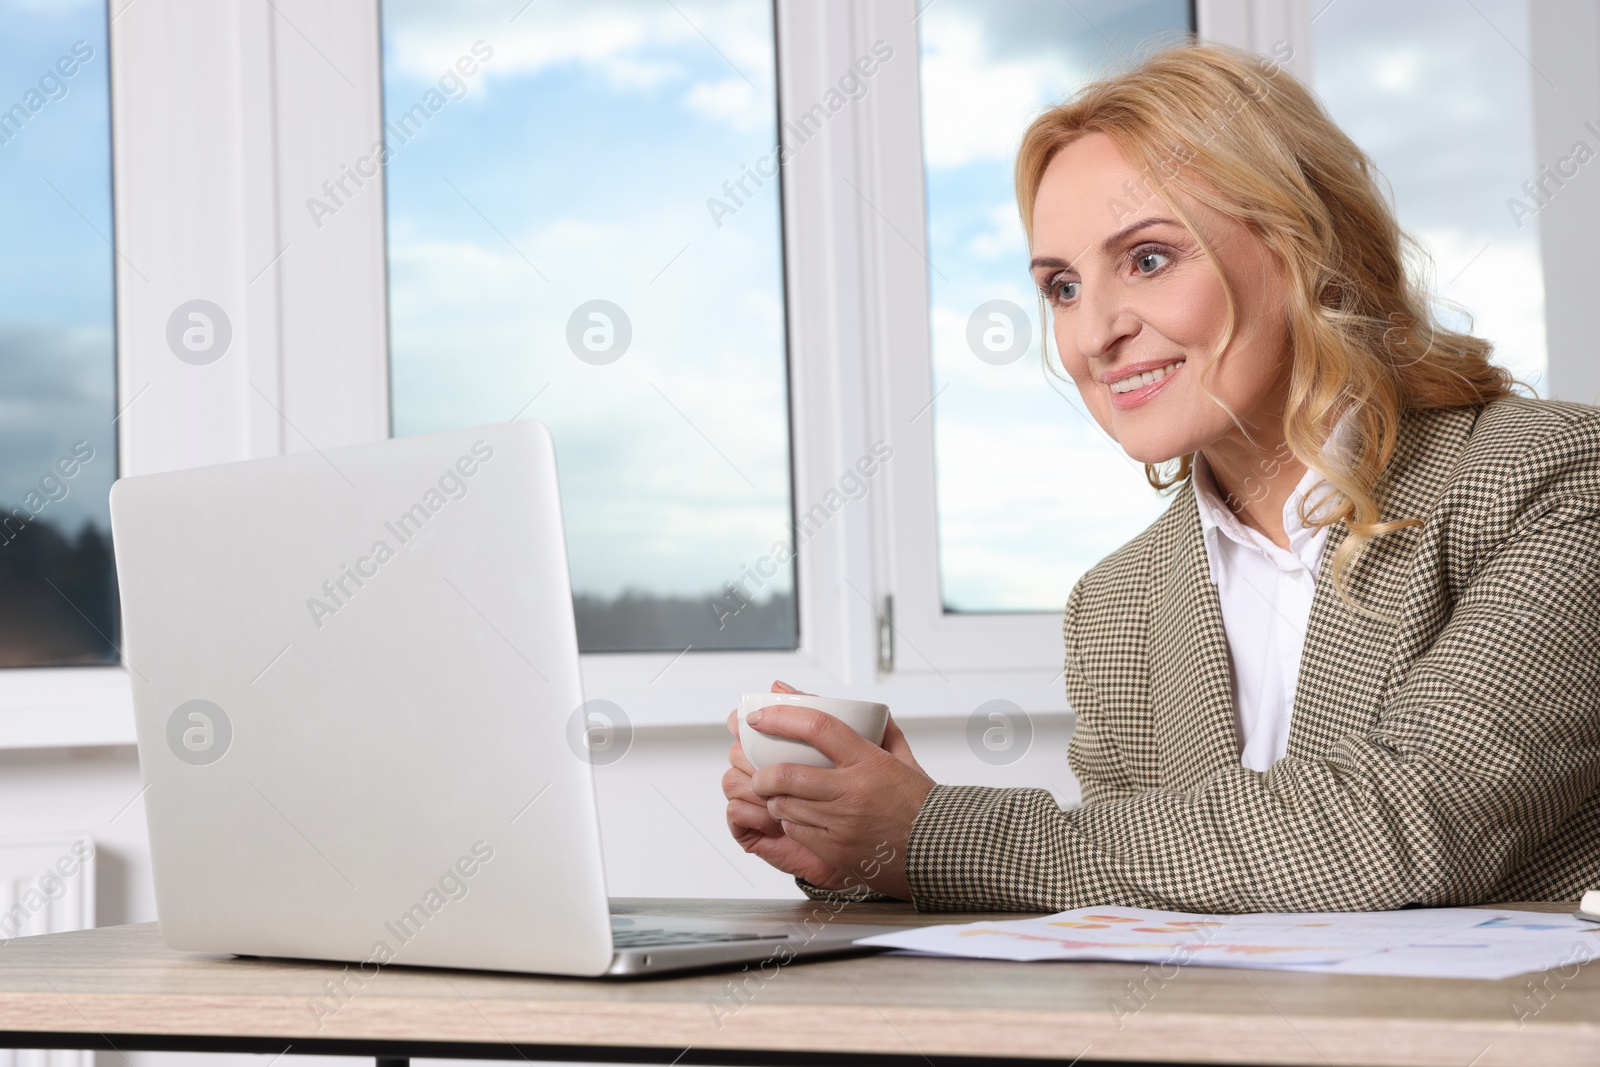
column 1265, row 592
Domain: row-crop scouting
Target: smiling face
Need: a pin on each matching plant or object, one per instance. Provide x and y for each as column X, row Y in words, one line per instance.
column 1137, row 308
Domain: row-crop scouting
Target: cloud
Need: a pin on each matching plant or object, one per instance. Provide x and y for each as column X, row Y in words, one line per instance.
column 1026, row 509
column 1510, row 315
column 56, row 8
column 1097, row 38
column 702, row 51
column 654, row 449
column 974, row 106
column 1031, row 492
column 56, row 388
column 1446, row 111
column 1003, row 239
column 731, row 100
column 988, row 69
column 604, row 192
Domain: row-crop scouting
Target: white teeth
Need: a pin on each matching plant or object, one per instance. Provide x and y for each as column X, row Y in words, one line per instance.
column 1139, row 381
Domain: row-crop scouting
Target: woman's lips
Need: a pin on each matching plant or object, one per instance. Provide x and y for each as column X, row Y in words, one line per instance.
column 1143, row 393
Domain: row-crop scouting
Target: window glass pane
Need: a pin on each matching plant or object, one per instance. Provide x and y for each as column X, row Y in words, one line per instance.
column 580, row 232
column 57, row 343
column 1031, row 492
column 1441, row 96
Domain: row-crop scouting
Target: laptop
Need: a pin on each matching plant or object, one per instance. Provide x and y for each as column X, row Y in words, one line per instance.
column 361, row 724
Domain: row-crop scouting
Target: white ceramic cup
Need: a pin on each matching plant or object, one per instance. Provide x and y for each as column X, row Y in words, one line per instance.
column 865, row 717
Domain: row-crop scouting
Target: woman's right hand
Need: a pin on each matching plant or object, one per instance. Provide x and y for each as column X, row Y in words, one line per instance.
column 758, row 832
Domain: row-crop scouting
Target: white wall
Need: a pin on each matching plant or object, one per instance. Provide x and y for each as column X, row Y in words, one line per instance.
column 1565, row 36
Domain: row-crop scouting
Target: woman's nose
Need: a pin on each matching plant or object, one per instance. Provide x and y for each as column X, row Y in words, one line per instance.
column 1103, row 320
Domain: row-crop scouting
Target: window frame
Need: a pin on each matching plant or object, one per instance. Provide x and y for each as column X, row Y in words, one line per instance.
column 226, row 117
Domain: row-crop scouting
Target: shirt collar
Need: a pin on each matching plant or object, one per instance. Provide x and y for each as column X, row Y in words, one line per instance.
column 1216, row 516
column 1218, row 519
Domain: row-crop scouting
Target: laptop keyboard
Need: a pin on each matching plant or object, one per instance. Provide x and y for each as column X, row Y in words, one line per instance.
column 644, row 937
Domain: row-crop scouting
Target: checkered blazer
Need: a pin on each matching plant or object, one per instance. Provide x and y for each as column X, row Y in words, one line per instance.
column 1448, row 754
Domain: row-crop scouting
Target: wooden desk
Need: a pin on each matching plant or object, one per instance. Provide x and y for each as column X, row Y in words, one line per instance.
column 120, row 987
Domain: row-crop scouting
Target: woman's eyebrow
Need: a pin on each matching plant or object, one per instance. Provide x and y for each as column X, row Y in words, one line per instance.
column 1108, row 244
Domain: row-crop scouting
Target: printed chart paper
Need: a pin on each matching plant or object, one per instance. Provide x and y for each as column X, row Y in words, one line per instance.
column 1419, row 942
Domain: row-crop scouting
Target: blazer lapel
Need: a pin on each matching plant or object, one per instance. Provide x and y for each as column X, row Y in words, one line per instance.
column 1348, row 659
column 1191, row 695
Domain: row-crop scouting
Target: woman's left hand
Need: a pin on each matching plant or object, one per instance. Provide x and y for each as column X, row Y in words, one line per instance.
column 857, row 814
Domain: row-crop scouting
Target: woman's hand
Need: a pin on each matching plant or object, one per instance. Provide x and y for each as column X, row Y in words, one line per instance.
column 756, row 830
column 851, row 820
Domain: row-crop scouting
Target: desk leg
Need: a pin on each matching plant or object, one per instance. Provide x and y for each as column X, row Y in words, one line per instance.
column 393, row 1061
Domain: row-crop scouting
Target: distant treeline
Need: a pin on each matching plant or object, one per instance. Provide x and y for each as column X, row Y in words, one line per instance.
column 638, row 622
column 59, row 607
column 58, row 598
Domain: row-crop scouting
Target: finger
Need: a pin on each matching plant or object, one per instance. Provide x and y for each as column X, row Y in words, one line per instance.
column 821, row 731
column 797, row 780
column 785, row 687
column 789, row 812
column 739, row 760
column 894, row 740
column 736, row 786
column 781, row 852
column 896, row 744
column 744, row 815
column 809, row 838
column 733, row 722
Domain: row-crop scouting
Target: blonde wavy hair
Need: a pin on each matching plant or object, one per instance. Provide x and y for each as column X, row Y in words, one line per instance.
column 1238, row 133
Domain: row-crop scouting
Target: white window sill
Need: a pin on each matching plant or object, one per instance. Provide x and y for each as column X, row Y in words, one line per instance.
column 653, row 691
column 58, row 707
column 91, row 706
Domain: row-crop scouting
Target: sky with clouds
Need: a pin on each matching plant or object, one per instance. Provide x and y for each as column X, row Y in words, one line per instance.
column 57, row 354
column 1440, row 94
column 576, row 166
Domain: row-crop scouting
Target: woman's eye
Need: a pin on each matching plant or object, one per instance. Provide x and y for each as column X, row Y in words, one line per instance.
column 1063, row 291
column 1147, row 255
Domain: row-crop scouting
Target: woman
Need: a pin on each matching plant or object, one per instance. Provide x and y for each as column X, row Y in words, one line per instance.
column 1370, row 530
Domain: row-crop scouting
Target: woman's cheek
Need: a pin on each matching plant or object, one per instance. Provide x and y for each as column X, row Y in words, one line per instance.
column 1073, row 362
column 1078, row 369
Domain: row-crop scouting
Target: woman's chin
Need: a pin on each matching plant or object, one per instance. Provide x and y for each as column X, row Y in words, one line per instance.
column 1151, row 437
column 1155, row 452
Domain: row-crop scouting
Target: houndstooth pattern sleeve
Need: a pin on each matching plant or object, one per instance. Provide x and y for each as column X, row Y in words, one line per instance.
column 1478, row 774
column 848, row 896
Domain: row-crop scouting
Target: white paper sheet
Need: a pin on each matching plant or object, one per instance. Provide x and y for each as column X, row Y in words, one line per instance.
column 1418, row 942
